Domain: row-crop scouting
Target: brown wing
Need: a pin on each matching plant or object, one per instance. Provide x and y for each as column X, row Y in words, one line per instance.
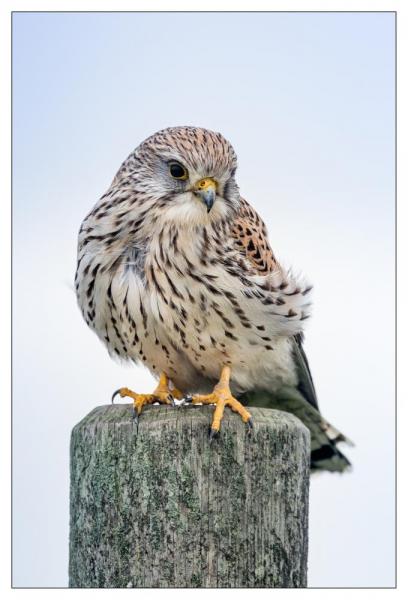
column 251, row 239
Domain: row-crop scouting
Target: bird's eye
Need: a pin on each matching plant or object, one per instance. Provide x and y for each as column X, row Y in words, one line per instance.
column 178, row 171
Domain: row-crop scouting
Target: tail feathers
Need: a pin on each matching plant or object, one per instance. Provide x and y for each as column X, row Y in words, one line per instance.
column 328, row 458
column 323, row 437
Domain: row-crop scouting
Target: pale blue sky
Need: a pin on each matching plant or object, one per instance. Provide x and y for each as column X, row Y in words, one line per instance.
column 307, row 100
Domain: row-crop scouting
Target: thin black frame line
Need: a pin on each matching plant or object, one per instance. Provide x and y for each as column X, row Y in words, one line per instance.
column 288, row 12
column 395, row 301
column 395, row 13
column 11, row 300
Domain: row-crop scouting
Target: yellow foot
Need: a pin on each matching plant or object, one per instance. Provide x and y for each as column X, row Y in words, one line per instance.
column 161, row 394
column 222, row 397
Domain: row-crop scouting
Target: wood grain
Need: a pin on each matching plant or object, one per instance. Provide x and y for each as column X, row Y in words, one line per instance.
column 157, row 505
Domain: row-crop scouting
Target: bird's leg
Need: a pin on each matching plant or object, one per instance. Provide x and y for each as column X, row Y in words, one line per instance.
column 162, row 394
column 221, row 396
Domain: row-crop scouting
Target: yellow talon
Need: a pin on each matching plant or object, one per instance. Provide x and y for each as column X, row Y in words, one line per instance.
column 221, row 396
column 176, row 393
column 161, row 394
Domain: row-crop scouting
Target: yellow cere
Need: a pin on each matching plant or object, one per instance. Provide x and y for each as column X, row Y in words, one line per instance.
column 205, row 184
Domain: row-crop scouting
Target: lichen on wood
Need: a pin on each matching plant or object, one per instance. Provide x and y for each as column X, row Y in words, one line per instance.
column 158, row 505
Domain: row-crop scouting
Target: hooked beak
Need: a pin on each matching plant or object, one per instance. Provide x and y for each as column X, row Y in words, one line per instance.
column 206, row 190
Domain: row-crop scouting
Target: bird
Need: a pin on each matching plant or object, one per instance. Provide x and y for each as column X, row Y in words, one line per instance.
column 175, row 271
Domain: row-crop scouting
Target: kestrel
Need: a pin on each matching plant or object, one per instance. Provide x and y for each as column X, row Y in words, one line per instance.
column 175, row 270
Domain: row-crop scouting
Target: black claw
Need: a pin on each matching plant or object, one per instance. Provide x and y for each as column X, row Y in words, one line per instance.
column 249, row 426
column 115, row 394
column 213, row 434
column 171, row 398
column 188, row 399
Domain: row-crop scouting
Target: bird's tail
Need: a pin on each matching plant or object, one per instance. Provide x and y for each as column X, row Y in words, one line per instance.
column 325, row 455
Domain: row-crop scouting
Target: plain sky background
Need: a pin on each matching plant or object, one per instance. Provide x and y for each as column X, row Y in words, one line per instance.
column 307, row 100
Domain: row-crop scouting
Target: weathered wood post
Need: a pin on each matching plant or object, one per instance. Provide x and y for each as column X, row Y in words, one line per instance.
column 159, row 506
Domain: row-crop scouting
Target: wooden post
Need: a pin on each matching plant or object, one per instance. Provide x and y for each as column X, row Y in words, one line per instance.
column 158, row 505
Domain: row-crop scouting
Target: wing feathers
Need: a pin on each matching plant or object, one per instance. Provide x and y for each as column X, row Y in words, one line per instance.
column 251, row 239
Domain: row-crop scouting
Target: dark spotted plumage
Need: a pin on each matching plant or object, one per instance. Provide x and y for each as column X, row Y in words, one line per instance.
column 186, row 286
column 251, row 239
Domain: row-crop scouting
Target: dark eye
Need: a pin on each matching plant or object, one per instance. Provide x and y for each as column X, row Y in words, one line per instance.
column 178, row 171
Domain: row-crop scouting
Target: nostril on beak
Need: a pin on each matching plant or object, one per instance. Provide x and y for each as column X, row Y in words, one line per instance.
column 206, row 190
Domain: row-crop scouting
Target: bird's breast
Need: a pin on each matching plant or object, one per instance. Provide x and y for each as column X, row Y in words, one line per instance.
column 203, row 309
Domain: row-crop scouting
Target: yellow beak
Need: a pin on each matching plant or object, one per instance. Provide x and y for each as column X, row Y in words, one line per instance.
column 206, row 190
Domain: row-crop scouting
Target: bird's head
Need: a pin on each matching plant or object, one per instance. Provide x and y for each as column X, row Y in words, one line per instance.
column 182, row 175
